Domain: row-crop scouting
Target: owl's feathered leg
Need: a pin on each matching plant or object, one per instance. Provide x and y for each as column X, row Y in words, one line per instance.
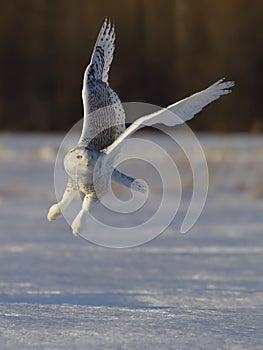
column 68, row 196
column 77, row 224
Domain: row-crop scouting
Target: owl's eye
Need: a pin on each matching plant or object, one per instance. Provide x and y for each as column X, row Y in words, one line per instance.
column 79, row 157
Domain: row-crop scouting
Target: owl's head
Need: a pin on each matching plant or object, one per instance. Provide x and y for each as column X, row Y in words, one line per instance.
column 79, row 161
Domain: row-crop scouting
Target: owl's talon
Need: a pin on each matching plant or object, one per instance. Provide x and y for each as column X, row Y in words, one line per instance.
column 75, row 233
column 76, row 227
column 53, row 212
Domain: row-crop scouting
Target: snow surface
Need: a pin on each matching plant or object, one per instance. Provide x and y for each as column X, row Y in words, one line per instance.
column 201, row 290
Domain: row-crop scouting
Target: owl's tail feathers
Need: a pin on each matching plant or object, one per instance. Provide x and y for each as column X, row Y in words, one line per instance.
column 128, row 181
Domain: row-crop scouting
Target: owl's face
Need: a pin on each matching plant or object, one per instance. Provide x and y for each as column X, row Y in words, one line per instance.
column 79, row 162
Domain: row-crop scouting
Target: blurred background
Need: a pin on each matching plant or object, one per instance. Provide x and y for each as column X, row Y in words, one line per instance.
column 165, row 50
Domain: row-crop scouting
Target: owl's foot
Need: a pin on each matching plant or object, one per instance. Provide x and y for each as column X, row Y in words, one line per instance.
column 76, row 226
column 75, row 232
column 54, row 211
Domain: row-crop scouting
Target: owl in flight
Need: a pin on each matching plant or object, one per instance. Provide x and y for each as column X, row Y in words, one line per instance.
column 89, row 164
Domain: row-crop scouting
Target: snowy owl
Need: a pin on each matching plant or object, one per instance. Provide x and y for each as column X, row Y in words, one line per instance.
column 89, row 164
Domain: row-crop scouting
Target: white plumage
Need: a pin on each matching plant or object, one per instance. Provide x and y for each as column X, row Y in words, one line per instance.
column 89, row 164
column 179, row 112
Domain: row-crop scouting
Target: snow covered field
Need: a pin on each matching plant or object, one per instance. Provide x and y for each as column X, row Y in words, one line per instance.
column 201, row 290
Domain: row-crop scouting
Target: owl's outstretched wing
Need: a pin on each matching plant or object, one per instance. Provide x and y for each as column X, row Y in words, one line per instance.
column 104, row 117
column 178, row 112
column 102, row 55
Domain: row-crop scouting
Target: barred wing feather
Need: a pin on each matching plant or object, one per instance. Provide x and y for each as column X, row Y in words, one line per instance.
column 104, row 116
column 102, row 55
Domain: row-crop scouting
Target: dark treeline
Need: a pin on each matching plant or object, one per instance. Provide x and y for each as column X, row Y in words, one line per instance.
column 165, row 50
